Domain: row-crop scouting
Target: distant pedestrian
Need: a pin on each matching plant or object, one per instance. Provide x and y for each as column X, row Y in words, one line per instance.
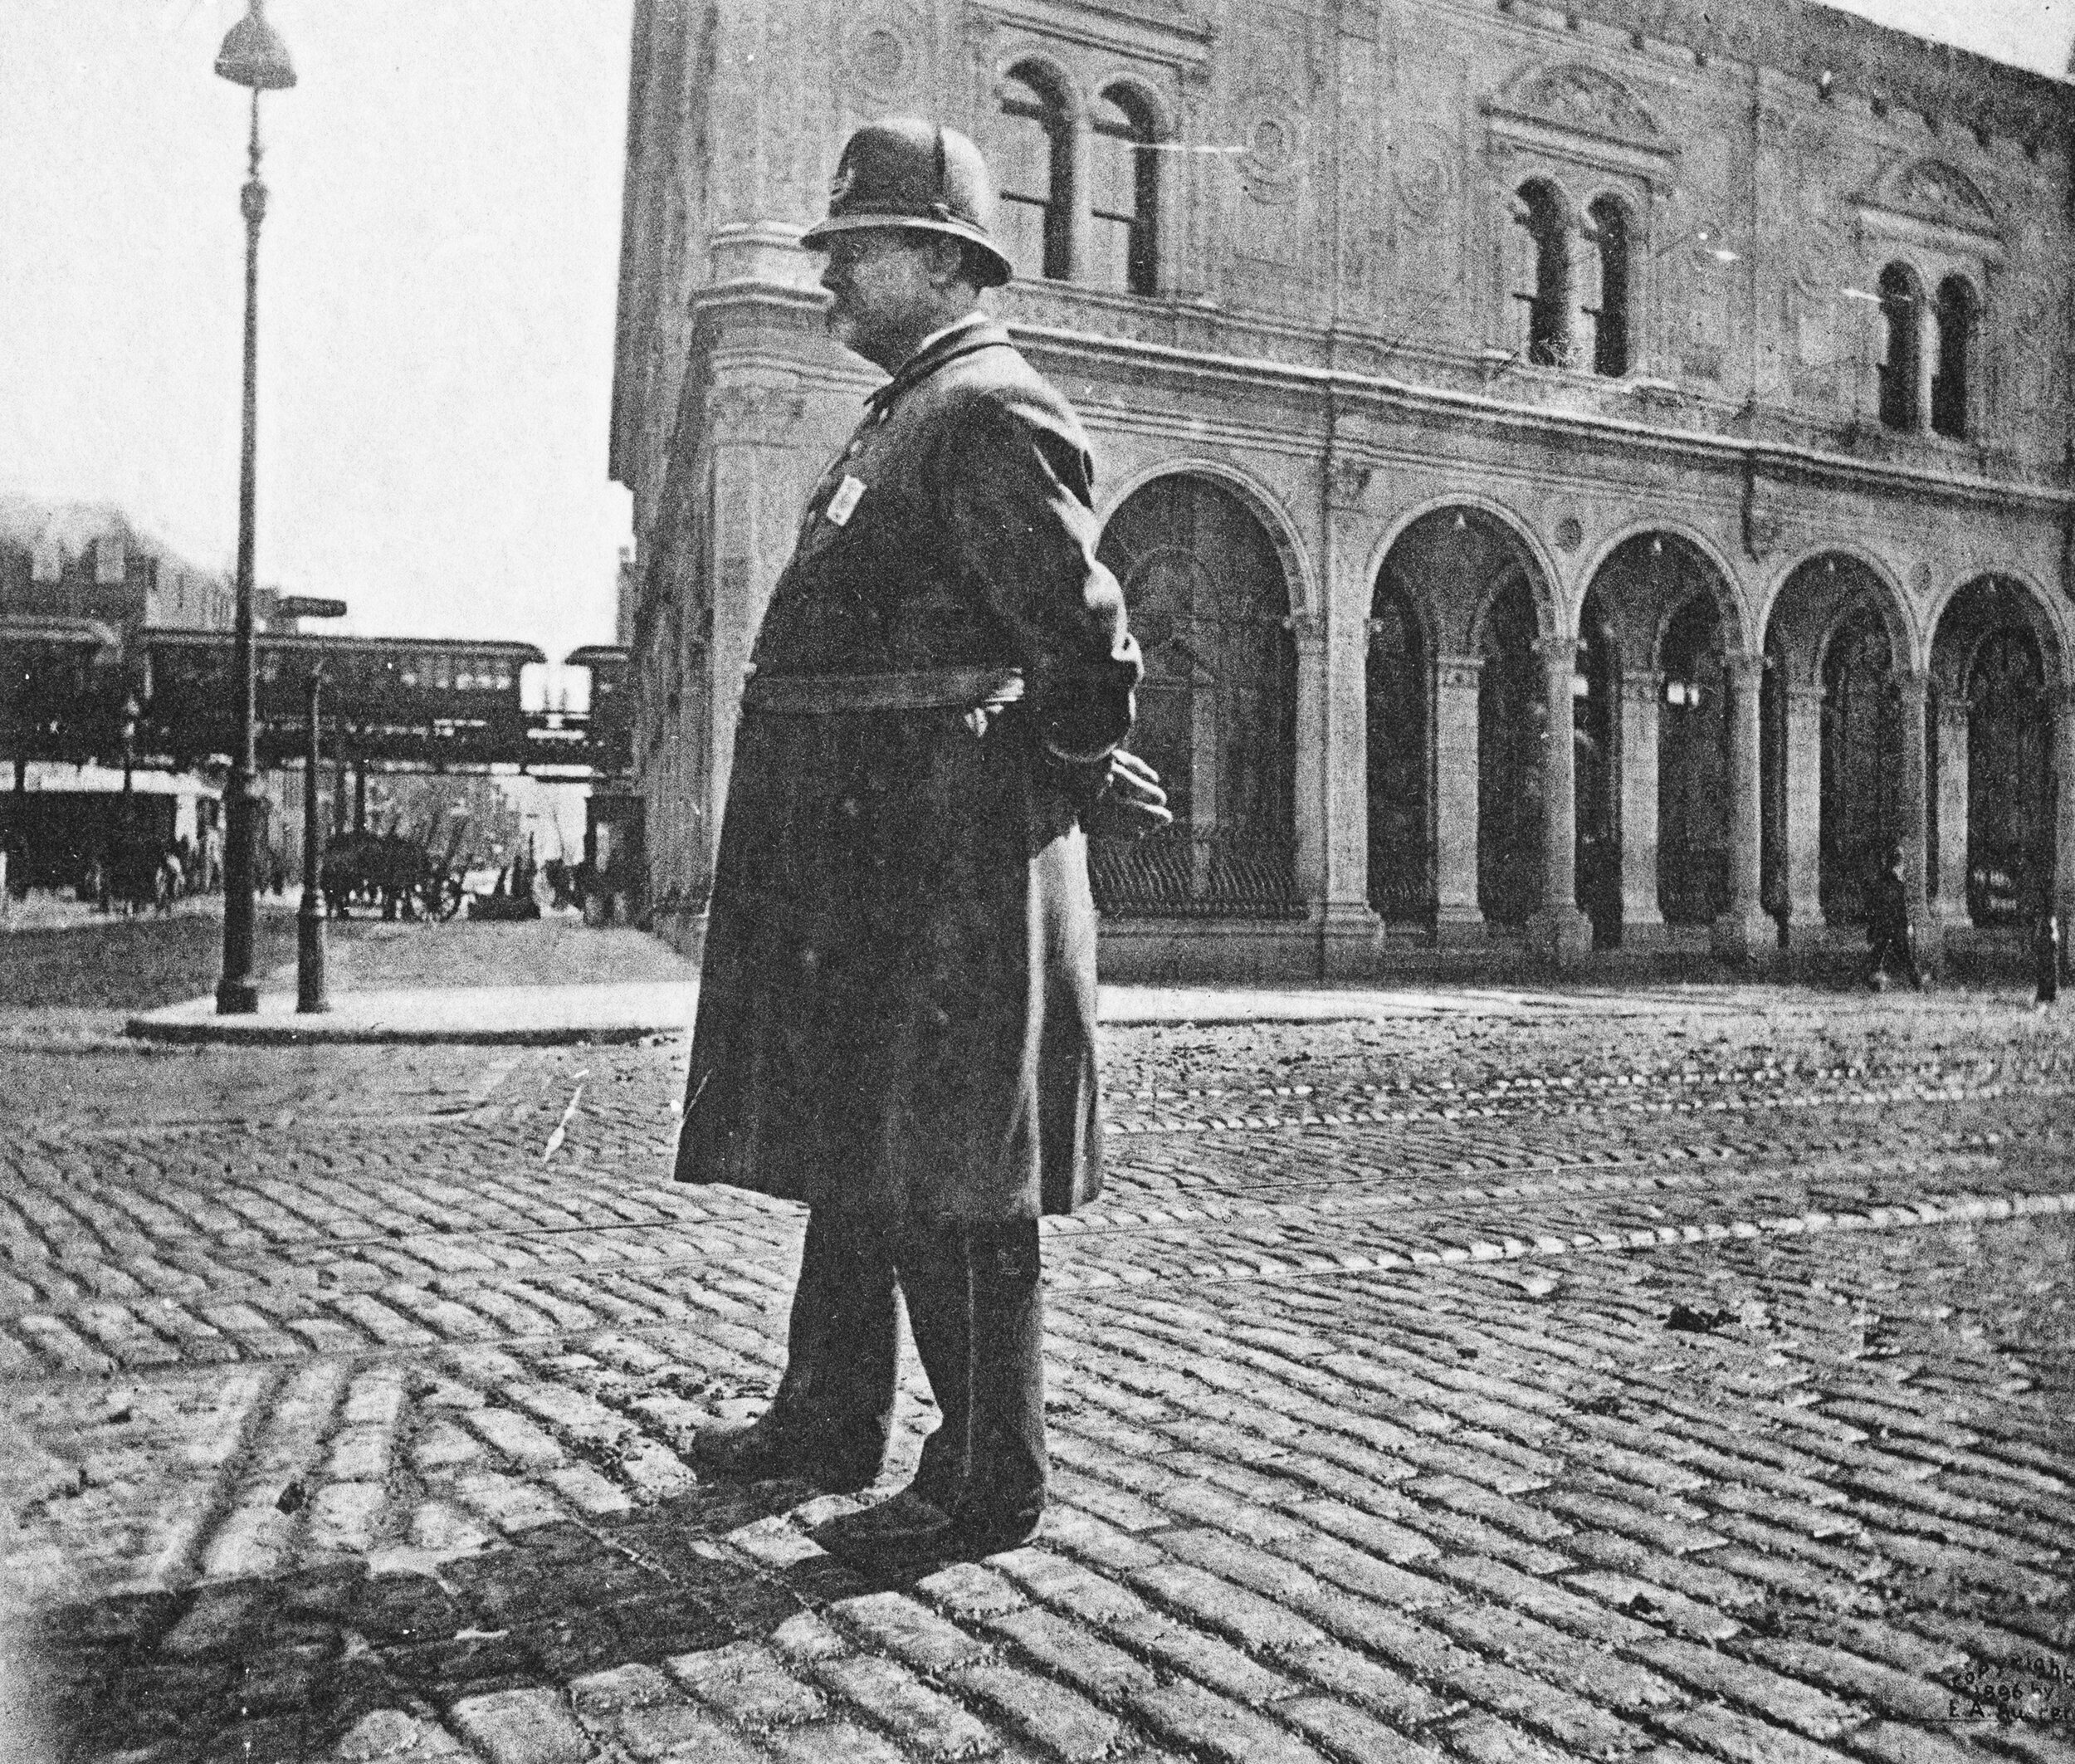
column 1891, row 938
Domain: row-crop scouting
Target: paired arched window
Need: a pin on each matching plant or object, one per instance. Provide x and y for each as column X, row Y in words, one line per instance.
column 1912, row 388
column 1541, row 282
column 1956, row 314
column 1104, row 231
column 1570, row 281
column 1902, row 345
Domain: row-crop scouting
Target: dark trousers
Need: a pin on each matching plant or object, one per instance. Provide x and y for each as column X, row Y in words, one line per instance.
column 976, row 1314
column 1897, row 950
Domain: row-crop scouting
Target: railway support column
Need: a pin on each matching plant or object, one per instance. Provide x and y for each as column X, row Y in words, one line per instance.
column 310, row 921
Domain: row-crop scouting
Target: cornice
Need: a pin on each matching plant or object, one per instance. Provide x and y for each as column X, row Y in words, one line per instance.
column 1727, row 453
column 1559, row 429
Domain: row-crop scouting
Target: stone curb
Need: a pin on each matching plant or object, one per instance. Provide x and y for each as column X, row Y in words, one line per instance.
column 552, row 1016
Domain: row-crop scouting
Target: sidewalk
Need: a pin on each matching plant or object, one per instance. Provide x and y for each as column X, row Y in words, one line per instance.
column 546, row 983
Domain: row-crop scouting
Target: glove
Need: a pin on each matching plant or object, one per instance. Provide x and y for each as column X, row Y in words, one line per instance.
column 1129, row 802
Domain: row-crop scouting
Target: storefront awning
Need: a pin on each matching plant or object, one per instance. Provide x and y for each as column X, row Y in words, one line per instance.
column 57, row 630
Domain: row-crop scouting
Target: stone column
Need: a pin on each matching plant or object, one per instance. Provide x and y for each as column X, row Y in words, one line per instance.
column 1642, row 918
column 1457, row 917
column 1913, row 693
column 1743, row 932
column 1557, row 929
column 1351, row 927
column 1949, row 903
column 1803, row 793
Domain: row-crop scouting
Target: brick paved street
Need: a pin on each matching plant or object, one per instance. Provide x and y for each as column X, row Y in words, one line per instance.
column 1636, row 1377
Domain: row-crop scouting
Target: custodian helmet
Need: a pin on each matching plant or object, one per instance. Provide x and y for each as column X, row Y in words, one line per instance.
column 919, row 176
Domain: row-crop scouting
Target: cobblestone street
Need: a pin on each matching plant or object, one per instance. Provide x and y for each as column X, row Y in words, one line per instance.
column 1641, row 1376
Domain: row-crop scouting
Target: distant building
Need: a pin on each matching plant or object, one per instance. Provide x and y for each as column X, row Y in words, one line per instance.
column 1690, row 381
column 80, row 582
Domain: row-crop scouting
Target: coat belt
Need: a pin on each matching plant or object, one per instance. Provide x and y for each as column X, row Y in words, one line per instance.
column 912, row 689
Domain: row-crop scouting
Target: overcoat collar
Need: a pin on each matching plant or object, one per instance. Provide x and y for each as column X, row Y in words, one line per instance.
column 947, row 346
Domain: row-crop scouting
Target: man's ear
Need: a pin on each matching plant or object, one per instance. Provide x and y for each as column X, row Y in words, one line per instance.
column 947, row 261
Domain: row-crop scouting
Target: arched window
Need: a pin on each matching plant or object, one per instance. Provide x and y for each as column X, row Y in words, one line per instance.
column 1610, row 316
column 1123, row 194
column 1948, row 383
column 1035, row 164
column 1900, row 306
column 1540, row 292
column 1217, row 714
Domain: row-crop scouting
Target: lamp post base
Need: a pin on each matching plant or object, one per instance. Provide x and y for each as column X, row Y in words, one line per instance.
column 311, row 994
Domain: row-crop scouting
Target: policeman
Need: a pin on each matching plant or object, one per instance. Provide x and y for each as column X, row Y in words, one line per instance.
column 896, row 1012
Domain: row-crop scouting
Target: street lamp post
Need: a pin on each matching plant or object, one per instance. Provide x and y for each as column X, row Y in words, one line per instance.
column 252, row 55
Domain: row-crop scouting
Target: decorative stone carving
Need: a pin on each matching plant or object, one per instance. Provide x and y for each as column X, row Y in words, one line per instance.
column 883, row 56
column 1570, row 535
column 1942, row 192
column 1271, row 128
column 754, row 413
column 1582, row 97
column 1459, row 673
column 1426, row 179
column 1349, row 481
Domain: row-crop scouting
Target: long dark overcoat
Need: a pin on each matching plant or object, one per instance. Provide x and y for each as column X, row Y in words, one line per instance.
column 896, row 1007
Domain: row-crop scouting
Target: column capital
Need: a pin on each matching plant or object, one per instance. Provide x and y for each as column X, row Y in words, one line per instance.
column 1807, row 693
column 1641, row 686
column 1556, row 649
column 1912, row 687
column 1743, row 666
column 1459, row 672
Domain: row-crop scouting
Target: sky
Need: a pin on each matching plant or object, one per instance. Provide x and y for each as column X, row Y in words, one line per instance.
column 437, row 278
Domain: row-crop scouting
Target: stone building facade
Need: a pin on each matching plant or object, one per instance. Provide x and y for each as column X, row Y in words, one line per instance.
column 1690, row 381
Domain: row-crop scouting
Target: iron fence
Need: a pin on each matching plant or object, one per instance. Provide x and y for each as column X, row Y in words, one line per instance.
column 1201, row 876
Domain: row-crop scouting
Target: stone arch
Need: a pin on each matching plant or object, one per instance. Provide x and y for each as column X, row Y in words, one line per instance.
column 1209, row 597
column 1840, row 759
column 1721, row 574
column 1159, row 109
column 1456, row 630
column 2042, row 611
column 1482, row 600
column 1893, row 604
column 1307, row 603
column 1653, row 768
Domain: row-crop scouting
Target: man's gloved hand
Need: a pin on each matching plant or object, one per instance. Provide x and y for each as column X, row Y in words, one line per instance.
column 1130, row 802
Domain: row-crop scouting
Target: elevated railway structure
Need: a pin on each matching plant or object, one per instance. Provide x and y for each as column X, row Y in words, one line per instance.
column 396, row 704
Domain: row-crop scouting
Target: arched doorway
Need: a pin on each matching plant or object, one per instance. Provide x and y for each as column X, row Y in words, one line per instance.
column 1862, row 753
column 1694, row 781
column 2010, row 812
column 1400, row 796
column 1833, row 746
column 1991, row 759
column 1456, row 709
column 1512, row 726
column 1210, row 604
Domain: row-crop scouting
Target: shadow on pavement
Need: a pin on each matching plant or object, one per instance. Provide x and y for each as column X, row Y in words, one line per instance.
column 284, row 1667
